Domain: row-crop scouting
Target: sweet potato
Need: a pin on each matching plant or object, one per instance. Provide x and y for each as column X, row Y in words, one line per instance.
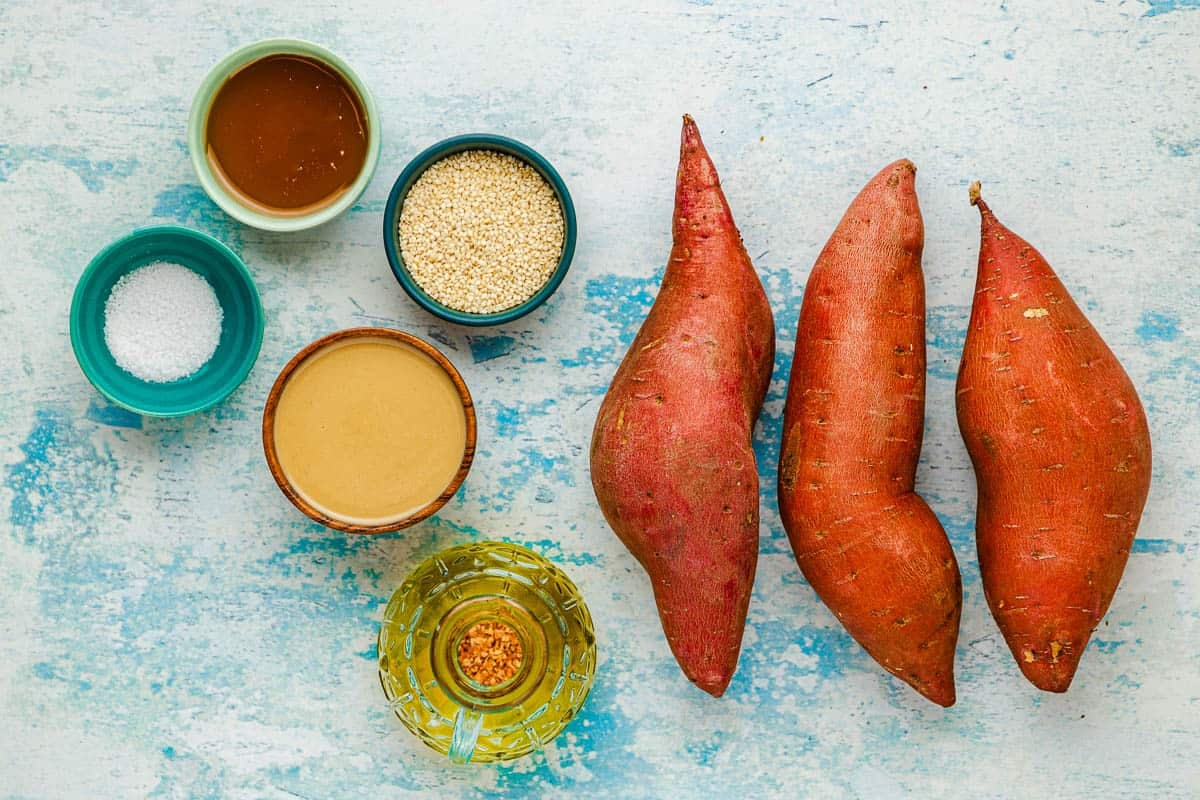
column 671, row 457
column 1061, row 452
column 866, row 542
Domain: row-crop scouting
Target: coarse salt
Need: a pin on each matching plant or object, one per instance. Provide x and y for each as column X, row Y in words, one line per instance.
column 162, row 322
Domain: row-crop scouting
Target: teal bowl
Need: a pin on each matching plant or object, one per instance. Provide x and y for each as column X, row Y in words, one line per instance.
column 414, row 170
column 198, row 144
column 241, row 326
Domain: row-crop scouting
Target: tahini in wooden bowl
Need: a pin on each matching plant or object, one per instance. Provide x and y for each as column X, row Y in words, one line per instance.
column 348, row 459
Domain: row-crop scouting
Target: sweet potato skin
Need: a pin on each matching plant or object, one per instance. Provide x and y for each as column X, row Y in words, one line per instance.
column 671, row 459
column 1061, row 452
column 866, row 542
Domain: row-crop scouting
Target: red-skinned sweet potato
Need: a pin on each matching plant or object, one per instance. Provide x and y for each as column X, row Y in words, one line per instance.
column 671, row 458
column 866, row 542
column 1061, row 451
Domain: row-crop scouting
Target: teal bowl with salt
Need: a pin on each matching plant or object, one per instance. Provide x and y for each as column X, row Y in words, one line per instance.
column 241, row 321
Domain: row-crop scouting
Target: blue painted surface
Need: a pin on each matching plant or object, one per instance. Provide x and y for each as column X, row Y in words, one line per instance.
column 1158, row 7
column 93, row 174
column 1158, row 326
column 485, row 348
column 104, row 412
column 171, row 627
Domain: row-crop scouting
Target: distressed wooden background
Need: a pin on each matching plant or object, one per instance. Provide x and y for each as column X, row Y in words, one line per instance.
column 171, row 627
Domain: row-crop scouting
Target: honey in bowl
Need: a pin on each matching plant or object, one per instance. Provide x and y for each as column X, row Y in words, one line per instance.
column 368, row 431
column 286, row 134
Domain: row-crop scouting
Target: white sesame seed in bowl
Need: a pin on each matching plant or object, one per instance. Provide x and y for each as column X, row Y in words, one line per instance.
column 479, row 234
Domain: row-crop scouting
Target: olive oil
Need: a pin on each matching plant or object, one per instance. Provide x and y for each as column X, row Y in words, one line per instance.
column 433, row 610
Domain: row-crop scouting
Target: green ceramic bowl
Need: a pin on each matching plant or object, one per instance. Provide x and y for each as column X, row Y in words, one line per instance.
column 414, row 170
column 241, row 327
column 198, row 147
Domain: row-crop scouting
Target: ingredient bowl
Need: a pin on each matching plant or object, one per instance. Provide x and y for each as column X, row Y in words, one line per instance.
column 241, row 325
column 369, row 430
column 198, row 145
column 425, row 636
column 410, row 175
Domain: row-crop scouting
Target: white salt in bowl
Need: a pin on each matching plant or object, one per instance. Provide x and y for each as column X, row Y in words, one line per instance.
column 241, row 321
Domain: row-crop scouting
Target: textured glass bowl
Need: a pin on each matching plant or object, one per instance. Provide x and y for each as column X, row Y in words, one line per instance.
column 241, row 326
column 444, row 598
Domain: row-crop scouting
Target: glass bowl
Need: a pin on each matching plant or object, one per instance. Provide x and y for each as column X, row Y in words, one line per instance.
column 445, row 597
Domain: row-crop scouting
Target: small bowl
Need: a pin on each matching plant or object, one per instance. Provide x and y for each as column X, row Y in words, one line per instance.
column 241, row 326
column 414, row 170
column 316, row 514
column 198, row 122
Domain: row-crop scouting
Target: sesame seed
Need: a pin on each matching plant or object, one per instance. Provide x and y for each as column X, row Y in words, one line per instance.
column 481, row 231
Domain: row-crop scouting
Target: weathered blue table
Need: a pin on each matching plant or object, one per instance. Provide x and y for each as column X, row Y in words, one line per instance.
column 171, row 627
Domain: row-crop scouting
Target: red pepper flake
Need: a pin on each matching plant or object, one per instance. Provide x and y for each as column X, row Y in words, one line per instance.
column 490, row 653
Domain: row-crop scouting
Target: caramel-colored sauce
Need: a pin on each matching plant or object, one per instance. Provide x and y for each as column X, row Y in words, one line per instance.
column 286, row 134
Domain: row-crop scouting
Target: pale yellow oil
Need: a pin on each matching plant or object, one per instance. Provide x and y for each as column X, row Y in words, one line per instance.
column 446, row 596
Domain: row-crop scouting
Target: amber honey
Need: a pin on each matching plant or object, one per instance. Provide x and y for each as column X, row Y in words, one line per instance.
column 286, row 134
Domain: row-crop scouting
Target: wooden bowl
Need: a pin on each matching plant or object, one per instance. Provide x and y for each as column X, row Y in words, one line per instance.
column 268, row 431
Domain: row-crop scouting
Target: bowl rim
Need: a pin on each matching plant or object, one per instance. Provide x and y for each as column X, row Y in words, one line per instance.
column 198, row 117
column 434, row 153
column 272, row 405
column 230, row 257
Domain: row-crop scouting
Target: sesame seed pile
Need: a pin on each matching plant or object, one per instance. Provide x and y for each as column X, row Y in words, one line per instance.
column 481, row 231
column 490, row 653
